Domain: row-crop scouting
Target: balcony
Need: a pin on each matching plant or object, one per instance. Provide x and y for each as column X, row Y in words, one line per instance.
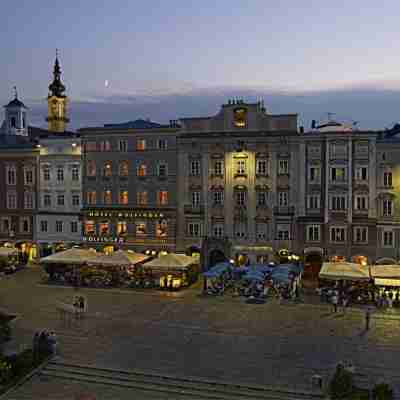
column 193, row 209
column 288, row 210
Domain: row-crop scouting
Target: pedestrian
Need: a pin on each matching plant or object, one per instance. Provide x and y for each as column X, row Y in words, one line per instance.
column 367, row 318
column 334, row 300
column 345, row 302
column 81, row 305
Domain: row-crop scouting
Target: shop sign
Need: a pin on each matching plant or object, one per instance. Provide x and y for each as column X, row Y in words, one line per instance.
column 102, row 239
column 126, row 214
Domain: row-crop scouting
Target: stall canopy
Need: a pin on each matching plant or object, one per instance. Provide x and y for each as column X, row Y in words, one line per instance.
column 71, row 256
column 8, row 251
column 119, row 258
column 171, row 261
column 386, row 275
column 344, row 271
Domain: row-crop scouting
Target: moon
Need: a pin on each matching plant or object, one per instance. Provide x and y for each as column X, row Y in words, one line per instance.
column 106, row 83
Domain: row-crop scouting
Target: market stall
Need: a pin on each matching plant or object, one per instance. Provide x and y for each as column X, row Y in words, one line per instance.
column 8, row 259
column 344, row 271
column 387, row 284
column 173, row 271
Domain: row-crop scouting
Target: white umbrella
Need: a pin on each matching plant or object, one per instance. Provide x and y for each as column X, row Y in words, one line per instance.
column 71, row 256
column 171, row 261
column 119, row 258
column 344, row 271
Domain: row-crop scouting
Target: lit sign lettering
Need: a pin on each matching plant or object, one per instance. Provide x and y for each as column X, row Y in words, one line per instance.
column 101, row 239
column 126, row 214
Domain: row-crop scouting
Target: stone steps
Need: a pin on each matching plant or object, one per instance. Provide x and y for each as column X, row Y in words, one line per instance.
column 193, row 388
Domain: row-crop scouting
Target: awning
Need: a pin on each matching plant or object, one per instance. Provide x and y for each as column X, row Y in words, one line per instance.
column 171, row 261
column 119, row 258
column 385, row 271
column 344, row 271
column 71, row 256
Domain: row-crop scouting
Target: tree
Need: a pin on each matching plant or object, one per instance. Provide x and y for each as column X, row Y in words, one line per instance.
column 382, row 391
column 341, row 384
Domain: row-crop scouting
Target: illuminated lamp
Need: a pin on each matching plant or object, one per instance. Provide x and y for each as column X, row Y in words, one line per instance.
column 74, row 144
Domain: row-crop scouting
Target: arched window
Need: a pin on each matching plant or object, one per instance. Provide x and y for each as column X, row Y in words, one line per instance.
column 107, row 168
column 141, row 170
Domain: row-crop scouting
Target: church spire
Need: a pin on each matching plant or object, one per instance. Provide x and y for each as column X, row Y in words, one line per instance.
column 56, row 87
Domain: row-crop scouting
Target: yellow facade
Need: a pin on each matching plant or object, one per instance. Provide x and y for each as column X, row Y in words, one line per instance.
column 57, row 113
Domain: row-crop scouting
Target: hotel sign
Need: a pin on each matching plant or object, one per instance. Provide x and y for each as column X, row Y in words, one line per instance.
column 103, row 239
column 126, row 214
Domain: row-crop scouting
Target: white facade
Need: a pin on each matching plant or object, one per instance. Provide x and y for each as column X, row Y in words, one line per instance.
column 60, row 194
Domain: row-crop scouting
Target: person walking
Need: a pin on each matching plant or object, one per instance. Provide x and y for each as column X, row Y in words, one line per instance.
column 334, row 300
column 367, row 318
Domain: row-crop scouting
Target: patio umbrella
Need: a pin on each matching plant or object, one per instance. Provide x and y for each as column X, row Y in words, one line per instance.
column 210, row 274
column 253, row 276
column 344, row 271
column 119, row 258
column 71, row 256
column 8, row 251
column 171, row 261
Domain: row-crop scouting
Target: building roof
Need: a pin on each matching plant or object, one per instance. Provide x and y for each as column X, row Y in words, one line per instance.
column 36, row 132
column 137, row 124
column 16, row 142
column 15, row 103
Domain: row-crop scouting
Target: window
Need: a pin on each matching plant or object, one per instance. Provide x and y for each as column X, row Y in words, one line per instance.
column 43, row 226
column 218, row 167
column 46, row 200
column 262, row 167
column 314, row 202
column 195, row 199
column 361, row 203
column 361, row 173
column 387, row 179
column 140, row 145
column 60, row 200
column 60, row 174
column 283, row 232
column 162, row 197
column 314, row 174
column 11, row 175
column 105, row 145
column 90, row 228
column 90, row 146
column 25, row 225
column 240, row 198
column 261, row 231
column 261, row 198
column 241, row 167
column 123, row 168
column 162, row 144
column 313, row 233
column 162, row 228
column 338, row 203
column 338, row 234
column 283, row 199
column 46, row 173
column 123, row 197
column 5, row 224
column 11, row 200
column 218, row 197
column 91, row 197
column 360, row 234
column 387, row 208
column 107, row 197
column 142, row 198
column 122, row 228
column 141, row 228
column 123, row 145
column 75, row 173
column 338, row 174
column 28, row 176
column 283, row 167
column 162, row 169
column 388, row 238
column 240, row 230
column 74, row 227
column 218, row 231
column 28, row 200
column 142, row 170
column 194, row 229
column 194, row 168
column 75, row 200
column 104, row 228
column 107, row 169
column 91, row 168
column 59, row 226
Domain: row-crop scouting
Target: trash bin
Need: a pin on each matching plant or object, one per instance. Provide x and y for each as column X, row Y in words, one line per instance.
column 316, row 381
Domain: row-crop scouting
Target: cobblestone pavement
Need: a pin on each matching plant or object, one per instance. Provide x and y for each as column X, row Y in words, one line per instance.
column 219, row 338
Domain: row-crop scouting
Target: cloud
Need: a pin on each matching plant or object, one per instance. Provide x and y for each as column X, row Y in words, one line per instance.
column 374, row 106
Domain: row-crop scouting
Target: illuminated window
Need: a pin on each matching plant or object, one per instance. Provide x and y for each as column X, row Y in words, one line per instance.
column 105, row 145
column 141, row 228
column 142, row 170
column 104, row 228
column 91, row 197
column 107, row 169
column 142, row 198
column 123, row 169
column 161, row 228
column 162, row 198
column 141, row 144
column 239, row 115
column 122, row 228
column 283, row 167
column 107, row 197
column 91, row 168
column 123, row 197
column 90, row 228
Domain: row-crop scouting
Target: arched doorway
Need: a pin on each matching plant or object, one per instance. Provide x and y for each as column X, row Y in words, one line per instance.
column 216, row 256
column 313, row 259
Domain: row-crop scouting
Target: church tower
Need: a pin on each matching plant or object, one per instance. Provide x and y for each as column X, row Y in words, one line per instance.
column 16, row 119
column 57, row 102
